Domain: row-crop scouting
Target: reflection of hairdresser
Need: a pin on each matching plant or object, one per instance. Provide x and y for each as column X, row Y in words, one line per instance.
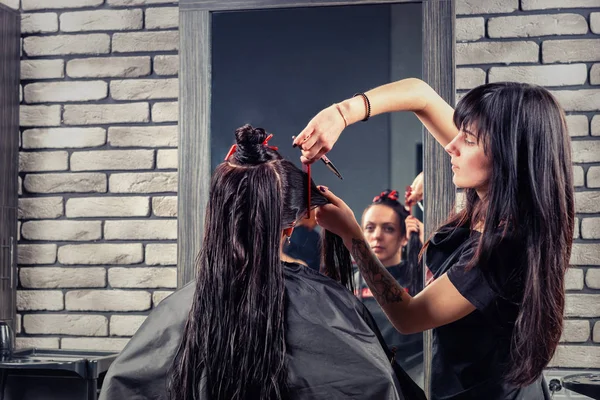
column 305, row 243
column 383, row 224
column 497, row 302
column 254, row 326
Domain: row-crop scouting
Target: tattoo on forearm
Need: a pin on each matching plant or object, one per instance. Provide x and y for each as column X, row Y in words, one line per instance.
column 383, row 286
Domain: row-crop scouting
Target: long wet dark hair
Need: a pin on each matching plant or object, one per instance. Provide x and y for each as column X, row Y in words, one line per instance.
column 234, row 344
column 530, row 199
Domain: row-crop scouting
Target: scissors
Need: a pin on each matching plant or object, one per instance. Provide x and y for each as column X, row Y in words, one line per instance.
column 328, row 164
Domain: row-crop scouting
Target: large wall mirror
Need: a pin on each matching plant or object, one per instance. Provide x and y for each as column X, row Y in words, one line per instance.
column 275, row 64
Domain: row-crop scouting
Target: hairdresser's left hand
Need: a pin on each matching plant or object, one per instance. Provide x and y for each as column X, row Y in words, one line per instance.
column 414, row 225
column 337, row 217
column 320, row 134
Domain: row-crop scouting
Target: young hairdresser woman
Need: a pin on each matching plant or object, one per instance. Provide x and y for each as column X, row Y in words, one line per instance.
column 497, row 302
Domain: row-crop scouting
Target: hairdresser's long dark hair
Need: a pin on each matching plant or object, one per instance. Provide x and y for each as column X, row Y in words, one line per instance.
column 234, row 340
column 530, row 199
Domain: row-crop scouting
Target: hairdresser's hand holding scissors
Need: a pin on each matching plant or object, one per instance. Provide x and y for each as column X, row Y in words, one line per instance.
column 321, row 133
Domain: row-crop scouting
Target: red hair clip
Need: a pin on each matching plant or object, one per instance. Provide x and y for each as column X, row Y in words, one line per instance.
column 230, row 152
column 233, row 148
column 393, row 195
column 266, row 142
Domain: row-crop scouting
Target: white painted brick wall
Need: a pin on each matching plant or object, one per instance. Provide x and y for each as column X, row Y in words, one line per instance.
column 143, row 182
column 70, row 324
column 125, row 325
column 65, row 183
column 145, row 41
column 112, row 160
column 574, row 279
column 58, row 277
column 126, row 67
column 101, row 254
column 153, row 277
column 97, row 43
column 117, row 59
column 593, row 177
column 39, row 115
column 30, row 254
column 108, row 207
column 570, row 50
column 165, row 112
column 486, row 6
column 166, row 65
column 470, row 29
column 39, row 23
column 41, row 207
column 164, row 206
column 143, row 89
column 161, row 254
column 38, row 300
column 166, row 159
column 578, row 125
column 92, row 114
column 544, row 75
column 102, row 20
column 42, row 69
column 537, row 25
column 43, row 161
column 161, row 18
column 65, row 91
column 62, row 230
column 107, row 300
column 105, row 344
column 496, row 52
column 59, row 138
column 135, row 136
column 160, row 295
column 549, row 4
column 154, row 229
column 576, row 331
column 45, row 4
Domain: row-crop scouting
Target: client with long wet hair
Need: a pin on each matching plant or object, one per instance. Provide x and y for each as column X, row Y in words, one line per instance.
column 240, row 288
column 255, row 324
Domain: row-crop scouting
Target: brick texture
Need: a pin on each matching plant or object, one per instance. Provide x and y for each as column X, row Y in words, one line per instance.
column 98, row 181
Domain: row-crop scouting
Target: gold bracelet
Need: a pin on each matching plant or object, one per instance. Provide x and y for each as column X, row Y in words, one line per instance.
column 337, row 106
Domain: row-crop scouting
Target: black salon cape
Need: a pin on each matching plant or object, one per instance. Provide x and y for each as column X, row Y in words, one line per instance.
column 409, row 348
column 470, row 355
column 332, row 350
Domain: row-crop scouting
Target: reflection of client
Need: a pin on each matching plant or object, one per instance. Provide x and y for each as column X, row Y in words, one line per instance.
column 383, row 224
column 255, row 326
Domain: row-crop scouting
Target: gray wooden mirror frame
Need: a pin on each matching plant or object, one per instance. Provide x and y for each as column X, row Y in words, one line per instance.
column 194, row 115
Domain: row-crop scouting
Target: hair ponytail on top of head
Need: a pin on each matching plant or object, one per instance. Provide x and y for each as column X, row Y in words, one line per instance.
column 233, row 345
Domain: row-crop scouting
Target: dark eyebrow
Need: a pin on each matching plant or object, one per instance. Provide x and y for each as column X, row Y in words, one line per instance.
column 468, row 132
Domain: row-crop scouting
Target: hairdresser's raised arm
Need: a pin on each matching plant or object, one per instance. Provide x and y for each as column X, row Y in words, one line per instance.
column 438, row 304
column 410, row 94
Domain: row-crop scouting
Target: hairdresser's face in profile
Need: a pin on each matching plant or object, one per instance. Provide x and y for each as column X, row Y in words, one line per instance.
column 381, row 227
column 472, row 168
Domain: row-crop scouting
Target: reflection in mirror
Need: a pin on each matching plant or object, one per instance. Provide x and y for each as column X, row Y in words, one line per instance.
column 277, row 68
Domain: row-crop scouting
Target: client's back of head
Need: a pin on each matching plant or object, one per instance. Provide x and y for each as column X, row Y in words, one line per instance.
column 235, row 333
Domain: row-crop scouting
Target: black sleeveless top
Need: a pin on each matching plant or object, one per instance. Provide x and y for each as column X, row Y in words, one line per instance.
column 470, row 356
